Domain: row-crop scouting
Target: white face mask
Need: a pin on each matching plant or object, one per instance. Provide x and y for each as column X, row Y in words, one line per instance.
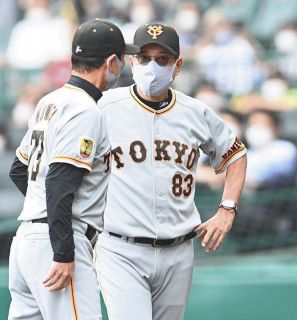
column 274, row 89
column 258, row 136
column 112, row 79
column 191, row 18
column 286, row 41
column 37, row 14
column 153, row 79
column 141, row 15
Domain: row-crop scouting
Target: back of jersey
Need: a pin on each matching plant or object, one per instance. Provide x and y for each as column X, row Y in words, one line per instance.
column 66, row 127
column 32, row 153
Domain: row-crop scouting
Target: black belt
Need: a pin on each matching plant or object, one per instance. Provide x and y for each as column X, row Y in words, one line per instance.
column 41, row 220
column 156, row 242
column 91, row 233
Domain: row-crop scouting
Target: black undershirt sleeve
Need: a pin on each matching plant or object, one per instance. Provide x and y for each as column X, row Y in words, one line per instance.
column 62, row 181
column 19, row 175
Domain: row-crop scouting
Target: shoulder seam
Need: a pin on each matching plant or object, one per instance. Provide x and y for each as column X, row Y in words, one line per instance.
column 188, row 107
column 114, row 101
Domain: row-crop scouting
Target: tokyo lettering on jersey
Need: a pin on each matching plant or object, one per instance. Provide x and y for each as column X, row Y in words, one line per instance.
column 154, row 159
column 67, row 127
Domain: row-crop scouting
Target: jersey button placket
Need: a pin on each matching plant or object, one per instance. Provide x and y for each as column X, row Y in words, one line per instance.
column 156, row 125
column 155, row 177
column 160, row 193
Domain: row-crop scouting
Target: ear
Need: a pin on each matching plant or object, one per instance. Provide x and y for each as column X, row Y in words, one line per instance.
column 179, row 64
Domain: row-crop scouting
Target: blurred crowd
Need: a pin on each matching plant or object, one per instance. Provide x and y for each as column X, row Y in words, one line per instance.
column 240, row 57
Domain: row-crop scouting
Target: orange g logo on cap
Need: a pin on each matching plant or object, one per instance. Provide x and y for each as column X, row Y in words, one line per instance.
column 154, row 31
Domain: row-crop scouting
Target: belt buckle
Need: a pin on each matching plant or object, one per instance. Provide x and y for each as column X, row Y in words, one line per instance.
column 155, row 243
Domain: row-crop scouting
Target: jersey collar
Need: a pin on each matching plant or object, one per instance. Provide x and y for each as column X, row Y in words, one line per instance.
column 87, row 86
column 148, row 108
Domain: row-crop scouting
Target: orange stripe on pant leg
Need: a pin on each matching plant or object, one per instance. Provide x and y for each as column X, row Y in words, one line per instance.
column 73, row 300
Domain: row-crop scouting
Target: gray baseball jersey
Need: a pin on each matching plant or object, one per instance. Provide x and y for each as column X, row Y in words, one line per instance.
column 154, row 159
column 151, row 194
column 67, row 126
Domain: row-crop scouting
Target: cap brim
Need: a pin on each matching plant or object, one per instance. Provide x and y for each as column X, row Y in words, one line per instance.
column 131, row 49
column 160, row 44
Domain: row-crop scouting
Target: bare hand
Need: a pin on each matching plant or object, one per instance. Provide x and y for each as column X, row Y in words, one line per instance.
column 59, row 276
column 214, row 230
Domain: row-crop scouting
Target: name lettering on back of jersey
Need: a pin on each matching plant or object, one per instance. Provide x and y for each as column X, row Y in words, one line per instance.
column 236, row 147
column 164, row 151
column 46, row 113
column 86, row 147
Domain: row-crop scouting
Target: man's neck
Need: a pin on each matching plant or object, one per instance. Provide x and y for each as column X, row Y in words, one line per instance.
column 95, row 77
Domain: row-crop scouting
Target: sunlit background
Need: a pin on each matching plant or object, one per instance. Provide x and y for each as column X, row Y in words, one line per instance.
column 240, row 57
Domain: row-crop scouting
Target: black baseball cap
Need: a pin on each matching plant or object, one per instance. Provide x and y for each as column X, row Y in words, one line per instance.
column 100, row 38
column 158, row 33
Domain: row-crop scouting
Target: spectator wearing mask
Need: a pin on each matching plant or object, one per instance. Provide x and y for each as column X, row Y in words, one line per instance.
column 285, row 42
column 275, row 94
column 228, row 59
column 141, row 12
column 272, row 161
column 187, row 21
column 39, row 38
column 209, row 95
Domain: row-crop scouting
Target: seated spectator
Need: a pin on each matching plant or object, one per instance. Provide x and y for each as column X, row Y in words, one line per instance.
column 275, row 94
column 25, row 105
column 141, row 12
column 285, row 42
column 271, row 173
column 187, row 22
column 39, row 38
column 272, row 162
column 228, row 60
column 207, row 93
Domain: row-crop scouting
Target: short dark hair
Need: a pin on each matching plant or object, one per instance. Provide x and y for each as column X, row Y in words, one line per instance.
column 83, row 64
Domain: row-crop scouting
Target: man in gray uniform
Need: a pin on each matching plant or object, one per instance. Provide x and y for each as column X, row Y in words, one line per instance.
column 65, row 153
column 145, row 254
